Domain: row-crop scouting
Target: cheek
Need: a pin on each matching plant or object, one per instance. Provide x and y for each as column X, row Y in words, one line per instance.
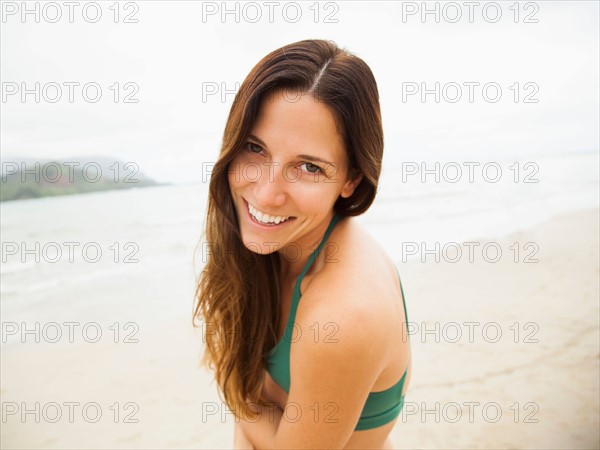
column 314, row 196
column 231, row 178
column 233, row 172
column 243, row 170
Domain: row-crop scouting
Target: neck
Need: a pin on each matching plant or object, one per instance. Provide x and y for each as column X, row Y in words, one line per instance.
column 295, row 255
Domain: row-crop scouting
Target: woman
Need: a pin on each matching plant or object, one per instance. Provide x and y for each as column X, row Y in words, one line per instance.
column 301, row 155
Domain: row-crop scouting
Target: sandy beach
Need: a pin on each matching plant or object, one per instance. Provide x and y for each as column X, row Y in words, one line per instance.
column 505, row 355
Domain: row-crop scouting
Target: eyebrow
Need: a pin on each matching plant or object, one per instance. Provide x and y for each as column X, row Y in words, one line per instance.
column 309, row 157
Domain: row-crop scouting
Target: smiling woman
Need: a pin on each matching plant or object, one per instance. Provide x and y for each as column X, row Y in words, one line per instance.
column 304, row 310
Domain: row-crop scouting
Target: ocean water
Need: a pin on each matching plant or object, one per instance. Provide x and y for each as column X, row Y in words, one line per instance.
column 498, row 198
column 147, row 237
column 118, row 255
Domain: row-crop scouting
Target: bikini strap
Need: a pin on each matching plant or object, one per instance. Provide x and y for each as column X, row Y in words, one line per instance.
column 296, row 292
column 403, row 301
column 336, row 217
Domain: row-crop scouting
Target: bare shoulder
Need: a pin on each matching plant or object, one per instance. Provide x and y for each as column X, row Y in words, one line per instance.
column 348, row 301
column 353, row 258
column 355, row 287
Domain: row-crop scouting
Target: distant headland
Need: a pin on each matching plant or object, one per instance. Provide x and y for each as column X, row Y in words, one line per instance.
column 24, row 178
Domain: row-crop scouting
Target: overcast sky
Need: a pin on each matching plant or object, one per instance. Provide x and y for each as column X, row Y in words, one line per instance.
column 177, row 49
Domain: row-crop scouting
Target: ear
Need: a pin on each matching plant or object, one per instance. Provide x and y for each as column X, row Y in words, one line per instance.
column 350, row 186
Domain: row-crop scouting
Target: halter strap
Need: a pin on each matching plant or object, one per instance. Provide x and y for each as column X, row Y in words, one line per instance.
column 336, row 217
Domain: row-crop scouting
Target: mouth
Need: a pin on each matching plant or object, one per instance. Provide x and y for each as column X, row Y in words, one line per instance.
column 263, row 220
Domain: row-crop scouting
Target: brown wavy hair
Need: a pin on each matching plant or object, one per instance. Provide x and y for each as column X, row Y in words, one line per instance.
column 238, row 292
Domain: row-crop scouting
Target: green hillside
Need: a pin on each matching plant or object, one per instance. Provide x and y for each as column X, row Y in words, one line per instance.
column 33, row 179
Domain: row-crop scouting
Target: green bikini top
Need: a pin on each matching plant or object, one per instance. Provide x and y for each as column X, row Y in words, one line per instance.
column 381, row 407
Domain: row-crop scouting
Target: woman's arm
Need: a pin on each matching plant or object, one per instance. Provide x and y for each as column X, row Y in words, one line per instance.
column 268, row 419
column 240, row 440
column 324, row 408
column 260, row 432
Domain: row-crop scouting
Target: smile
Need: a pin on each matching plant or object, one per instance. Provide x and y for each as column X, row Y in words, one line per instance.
column 264, row 218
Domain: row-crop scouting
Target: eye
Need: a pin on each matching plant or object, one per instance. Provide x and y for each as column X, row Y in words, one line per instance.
column 312, row 168
column 253, row 148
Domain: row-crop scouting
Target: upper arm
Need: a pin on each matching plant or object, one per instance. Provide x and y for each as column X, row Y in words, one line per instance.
column 335, row 359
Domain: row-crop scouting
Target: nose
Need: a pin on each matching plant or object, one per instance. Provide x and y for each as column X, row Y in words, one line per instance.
column 270, row 190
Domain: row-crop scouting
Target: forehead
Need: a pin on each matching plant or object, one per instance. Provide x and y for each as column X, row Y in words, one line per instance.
column 296, row 123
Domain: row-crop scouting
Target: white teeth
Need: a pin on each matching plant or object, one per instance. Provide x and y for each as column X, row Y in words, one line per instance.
column 265, row 218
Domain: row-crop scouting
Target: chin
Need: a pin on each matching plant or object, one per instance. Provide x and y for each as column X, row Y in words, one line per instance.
column 259, row 249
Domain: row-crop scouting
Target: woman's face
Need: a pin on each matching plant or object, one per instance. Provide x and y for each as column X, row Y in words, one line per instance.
column 289, row 173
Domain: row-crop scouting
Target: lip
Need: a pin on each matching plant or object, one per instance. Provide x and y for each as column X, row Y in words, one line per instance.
column 263, row 226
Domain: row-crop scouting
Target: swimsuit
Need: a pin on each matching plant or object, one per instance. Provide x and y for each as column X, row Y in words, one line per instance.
column 381, row 407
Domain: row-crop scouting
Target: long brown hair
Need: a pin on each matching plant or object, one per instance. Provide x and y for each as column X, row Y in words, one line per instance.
column 238, row 290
